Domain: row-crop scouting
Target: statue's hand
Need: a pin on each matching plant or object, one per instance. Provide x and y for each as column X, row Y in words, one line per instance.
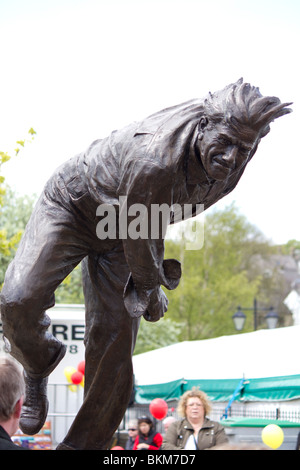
column 158, row 305
column 152, row 303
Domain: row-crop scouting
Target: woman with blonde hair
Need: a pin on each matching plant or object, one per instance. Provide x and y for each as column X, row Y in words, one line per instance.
column 194, row 431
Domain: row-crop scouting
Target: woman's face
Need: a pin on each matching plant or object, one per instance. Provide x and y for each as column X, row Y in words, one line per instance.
column 194, row 409
column 144, row 428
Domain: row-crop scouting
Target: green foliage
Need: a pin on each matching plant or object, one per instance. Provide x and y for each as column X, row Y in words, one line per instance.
column 5, row 157
column 15, row 214
column 70, row 290
column 292, row 247
column 217, row 278
column 10, row 234
column 157, row 335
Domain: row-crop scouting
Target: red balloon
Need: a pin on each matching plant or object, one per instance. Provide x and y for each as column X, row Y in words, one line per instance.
column 158, row 408
column 76, row 378
column 117, row 448
column 81, row 367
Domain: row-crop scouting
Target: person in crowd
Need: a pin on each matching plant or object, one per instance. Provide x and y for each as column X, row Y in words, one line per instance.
column 12, row 390
column 147, row 438
column 194, row 431
column 167, row 421
column 132, row 434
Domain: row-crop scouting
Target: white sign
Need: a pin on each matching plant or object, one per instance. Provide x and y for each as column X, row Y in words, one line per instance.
column 68, row 326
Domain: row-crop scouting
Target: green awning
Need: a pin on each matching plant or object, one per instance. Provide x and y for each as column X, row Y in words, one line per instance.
column 273, row 388
column 263, row 389
column 216, row 390
column 167, row 391
column 257, row 423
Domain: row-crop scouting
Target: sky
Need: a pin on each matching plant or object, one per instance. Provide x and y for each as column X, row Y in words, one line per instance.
column 75, row 70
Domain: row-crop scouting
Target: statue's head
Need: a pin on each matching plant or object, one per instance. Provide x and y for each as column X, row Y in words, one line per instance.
column 234, row 121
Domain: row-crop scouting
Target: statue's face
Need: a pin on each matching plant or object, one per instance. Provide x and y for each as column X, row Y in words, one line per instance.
column 222, row 151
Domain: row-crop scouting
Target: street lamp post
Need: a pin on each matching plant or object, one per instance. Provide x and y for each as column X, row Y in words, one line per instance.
column 239, row 317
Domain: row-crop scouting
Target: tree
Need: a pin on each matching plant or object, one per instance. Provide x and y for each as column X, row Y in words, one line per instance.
column 216, row 279
column 70, row 290
column 157, row 335
column 8, row 242
column 15, row 214
column 5, row 157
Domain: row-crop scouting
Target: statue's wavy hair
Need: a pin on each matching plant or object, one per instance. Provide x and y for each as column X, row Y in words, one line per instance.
column 242, row 107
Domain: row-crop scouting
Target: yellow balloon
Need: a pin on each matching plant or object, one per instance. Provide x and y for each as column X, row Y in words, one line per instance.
column 273, row 436
column 72, row 388
column 68, row 371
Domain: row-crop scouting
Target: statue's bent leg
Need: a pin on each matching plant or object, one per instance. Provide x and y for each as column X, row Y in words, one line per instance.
column 48, row 252
column 110, row 339
column 46, row 255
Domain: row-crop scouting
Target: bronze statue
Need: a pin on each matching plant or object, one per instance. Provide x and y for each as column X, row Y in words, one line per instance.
column 193, row 153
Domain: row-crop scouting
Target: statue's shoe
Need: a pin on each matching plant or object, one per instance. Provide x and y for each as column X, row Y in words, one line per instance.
column 35, row 408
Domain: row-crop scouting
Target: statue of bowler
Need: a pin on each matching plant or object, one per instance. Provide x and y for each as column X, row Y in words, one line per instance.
column 194, row 153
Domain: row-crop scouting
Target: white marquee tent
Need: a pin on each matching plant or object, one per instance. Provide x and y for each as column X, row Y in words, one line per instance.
column 269, row 360
column 262, row 353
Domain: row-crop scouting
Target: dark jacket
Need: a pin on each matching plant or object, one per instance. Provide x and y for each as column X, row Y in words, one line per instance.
column 6, row 443
column 211, row 434
column 129, row 443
